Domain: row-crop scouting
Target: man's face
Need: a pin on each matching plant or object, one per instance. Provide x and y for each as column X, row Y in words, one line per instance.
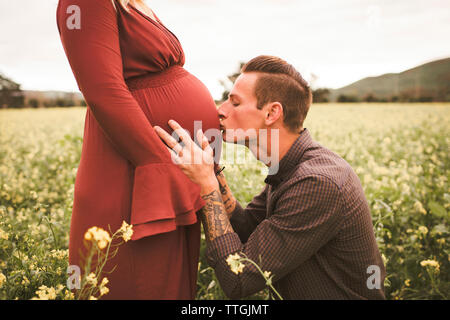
column 240, row 118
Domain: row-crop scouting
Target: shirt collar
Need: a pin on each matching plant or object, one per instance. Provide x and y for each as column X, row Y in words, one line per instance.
column 290, row 159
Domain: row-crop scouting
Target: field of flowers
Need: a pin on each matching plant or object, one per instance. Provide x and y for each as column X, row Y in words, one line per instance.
column 400, row 152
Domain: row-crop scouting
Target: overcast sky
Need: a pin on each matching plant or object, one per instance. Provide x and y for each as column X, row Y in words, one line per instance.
column 339, row 41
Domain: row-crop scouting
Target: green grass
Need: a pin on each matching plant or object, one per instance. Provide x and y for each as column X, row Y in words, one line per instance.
column 399, row 151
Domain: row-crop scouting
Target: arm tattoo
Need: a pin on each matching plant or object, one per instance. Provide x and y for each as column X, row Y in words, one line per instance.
column 227, row 197
column 214, row 216
column 223, row 190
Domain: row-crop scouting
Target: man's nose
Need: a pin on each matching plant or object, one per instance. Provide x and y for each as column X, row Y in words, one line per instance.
column 222, row 111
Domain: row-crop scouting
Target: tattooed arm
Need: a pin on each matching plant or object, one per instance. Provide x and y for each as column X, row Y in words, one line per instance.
column 214, row 214
column 228, row 199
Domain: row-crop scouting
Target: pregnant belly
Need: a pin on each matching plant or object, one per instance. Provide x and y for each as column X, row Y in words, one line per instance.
column 176, row 94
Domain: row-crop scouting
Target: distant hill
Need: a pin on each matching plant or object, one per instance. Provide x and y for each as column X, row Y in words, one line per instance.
column 427, row 82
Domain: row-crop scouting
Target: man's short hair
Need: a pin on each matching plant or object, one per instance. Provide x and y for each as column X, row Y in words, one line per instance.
column 281, row 82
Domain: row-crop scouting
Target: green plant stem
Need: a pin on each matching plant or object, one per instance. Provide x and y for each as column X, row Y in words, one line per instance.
column 262, row 273
column 53, row 232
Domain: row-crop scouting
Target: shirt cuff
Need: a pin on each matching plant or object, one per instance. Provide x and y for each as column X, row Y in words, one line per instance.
column 221, row 247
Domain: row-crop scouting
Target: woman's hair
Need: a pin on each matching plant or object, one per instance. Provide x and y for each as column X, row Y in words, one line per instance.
column 124, row 3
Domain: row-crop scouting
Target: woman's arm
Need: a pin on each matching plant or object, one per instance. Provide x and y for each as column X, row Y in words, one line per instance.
column 94, row 55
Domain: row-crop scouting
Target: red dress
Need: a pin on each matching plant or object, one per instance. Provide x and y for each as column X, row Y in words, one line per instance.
column 130, row 71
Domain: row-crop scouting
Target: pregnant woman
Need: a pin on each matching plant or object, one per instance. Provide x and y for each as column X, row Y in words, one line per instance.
column 129, row 67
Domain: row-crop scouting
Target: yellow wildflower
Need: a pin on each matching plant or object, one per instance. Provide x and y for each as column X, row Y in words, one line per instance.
column 104, row 282
column 385, row 260
column 88, row 236
column 407, row 282
column 92, row 279
column 267, row 275
column 126, row 230
column 3, row 235
column 423, row 229
column 101, row 236
column 102, row 243
column 2, row 279
column 45, row 293
column 235, row 263
column 103, row 291
column 51, row 293
column 69, row 295
column 430, row 263
column 419, row 207
column 25, row 281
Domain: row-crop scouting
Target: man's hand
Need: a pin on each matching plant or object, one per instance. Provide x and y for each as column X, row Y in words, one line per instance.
column 197, row 163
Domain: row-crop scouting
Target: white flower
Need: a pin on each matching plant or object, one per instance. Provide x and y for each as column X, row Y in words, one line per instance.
column 234, row 261
column 423, row 229
column 126, row 230
column 419, row 207
column 101, row 236
column 91, row 279
column 430, row 263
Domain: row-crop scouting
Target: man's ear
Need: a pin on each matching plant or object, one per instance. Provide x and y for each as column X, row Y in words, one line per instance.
column 273, row 112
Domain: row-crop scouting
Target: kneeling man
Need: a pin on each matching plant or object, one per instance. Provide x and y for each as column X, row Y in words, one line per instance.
column 311, row 225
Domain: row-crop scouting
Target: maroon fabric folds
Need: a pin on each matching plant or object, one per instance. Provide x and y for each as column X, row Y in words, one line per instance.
column 153, row 213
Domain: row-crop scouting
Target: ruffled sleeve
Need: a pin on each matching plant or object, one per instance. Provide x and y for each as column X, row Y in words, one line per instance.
column 175, row 203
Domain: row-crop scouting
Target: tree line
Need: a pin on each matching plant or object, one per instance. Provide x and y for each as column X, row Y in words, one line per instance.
column 322, row 95
column 12, row 96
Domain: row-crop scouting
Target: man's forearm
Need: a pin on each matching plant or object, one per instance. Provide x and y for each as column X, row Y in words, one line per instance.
column 228, row 199
column 214, row 214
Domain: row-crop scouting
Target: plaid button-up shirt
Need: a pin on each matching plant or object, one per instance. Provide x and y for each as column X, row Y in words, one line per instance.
column 310, row 227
